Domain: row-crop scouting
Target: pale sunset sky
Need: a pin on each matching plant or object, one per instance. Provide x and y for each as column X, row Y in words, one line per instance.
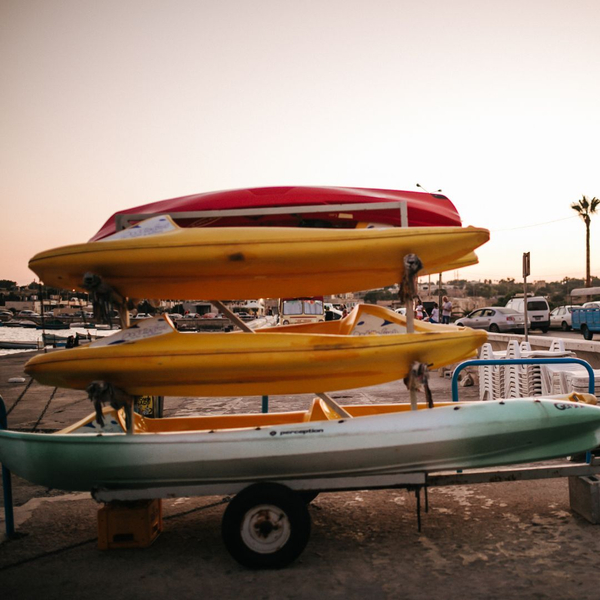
column 108, row 105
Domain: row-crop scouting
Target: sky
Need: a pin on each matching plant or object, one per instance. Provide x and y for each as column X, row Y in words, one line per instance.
column 108, row 105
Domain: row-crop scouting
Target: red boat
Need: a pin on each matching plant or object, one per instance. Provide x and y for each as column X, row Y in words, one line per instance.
column 287, row 207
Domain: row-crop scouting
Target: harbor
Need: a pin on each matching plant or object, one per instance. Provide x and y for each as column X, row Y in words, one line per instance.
column 493, row 540
column 360, row 496
column 300, row 302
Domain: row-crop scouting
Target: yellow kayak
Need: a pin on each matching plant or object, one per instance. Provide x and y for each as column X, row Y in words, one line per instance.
column 158, row 259
column 153, row 358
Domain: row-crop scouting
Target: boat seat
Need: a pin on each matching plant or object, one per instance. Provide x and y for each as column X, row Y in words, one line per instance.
column 575, row 397
column 210, row 422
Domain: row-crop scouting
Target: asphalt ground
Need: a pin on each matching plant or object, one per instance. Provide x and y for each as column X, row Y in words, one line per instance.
column 494, row 540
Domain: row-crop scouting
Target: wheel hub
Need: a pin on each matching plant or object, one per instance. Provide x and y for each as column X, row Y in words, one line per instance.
column 265, row 529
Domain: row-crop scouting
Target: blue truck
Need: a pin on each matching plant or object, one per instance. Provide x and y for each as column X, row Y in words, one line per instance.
column 587, row 317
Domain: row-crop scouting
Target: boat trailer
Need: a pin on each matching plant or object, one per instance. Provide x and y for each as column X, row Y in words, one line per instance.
column 267, row 524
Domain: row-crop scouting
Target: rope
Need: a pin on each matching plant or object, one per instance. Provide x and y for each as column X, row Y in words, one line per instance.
column 91, row 540
column 102, row 392
column 104, row 298
column 45, row 409
column 408, row 284
column 418, row 380
column 19, row 398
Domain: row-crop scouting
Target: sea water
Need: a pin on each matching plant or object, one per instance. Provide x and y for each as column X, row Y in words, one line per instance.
column 27, row 334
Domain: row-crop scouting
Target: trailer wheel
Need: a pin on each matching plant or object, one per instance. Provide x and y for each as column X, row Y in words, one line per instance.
column 308, row 496
column 587, row 334
column 266, row 526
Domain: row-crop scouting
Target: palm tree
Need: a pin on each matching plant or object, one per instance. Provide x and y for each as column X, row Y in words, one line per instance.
column 585, row 209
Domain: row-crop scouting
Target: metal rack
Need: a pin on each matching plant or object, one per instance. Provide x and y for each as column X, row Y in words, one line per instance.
column 124, row 220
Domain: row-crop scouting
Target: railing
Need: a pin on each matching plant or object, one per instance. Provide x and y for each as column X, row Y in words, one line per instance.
column 520, row 361
column 7, row 481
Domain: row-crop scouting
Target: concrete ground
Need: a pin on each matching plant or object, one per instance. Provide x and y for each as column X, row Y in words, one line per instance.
column 493, row 541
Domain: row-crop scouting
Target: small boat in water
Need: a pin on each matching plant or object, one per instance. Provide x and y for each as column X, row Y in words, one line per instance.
column 15, row 345
column 60, row 341
column 21, row 323
column 53, row 324
column 317, row 443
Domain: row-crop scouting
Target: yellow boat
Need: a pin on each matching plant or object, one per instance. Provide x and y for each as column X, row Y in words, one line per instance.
column 152, row 358
column 158, row 259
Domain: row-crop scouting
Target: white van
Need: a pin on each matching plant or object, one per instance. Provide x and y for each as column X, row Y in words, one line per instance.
column 301, row 310
column 538, row 310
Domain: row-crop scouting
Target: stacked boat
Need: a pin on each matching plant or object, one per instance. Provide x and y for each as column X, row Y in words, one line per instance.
column 157, row 258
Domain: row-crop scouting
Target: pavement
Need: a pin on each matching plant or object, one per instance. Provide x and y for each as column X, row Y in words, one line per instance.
column 494, row 540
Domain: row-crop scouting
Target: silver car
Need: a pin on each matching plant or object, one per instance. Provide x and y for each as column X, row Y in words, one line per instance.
column 560, row 317
column 495, row 319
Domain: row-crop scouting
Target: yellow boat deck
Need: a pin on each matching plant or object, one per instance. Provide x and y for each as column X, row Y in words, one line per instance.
column 319, row 411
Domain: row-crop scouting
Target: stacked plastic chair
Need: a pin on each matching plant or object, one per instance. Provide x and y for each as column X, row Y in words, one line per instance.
column 519, row 381
column 513, row 374
column 577, row 380
column 532, row 374
column 491, row 379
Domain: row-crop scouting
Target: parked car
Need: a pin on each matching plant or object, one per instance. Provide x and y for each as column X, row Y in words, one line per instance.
column 561, row 317
column 495, row 319
column 333, row 314
column 28, row 313
column 142, row 316
column 538, row 310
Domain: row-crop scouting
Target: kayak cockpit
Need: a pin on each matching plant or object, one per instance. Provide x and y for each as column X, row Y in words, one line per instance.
column 115, row 420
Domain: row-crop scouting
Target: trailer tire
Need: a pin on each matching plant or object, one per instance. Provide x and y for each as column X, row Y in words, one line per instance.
column 266, row 526
column 587, row 334
column 308, row 496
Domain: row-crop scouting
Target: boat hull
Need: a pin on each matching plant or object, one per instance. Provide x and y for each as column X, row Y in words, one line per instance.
column 454, row 436
column 8, row 345
column 241, row 263
column 153, row 359
column 423, row 209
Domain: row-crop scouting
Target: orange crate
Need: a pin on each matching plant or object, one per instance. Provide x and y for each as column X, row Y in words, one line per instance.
column 129, row 524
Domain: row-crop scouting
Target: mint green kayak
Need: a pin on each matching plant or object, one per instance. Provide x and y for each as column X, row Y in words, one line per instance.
column 318, row 443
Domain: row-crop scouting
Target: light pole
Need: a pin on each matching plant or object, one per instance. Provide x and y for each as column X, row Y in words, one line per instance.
column 440, row 279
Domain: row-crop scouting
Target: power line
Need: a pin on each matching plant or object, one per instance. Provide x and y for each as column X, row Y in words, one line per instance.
column 536, row 224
